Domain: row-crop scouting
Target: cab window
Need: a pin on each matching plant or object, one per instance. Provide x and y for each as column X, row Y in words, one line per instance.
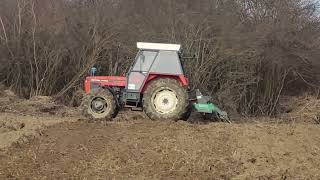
column 144, row 61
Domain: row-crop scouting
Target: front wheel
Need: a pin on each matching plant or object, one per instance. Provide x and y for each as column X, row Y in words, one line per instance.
column 99, row 105
column 166, row 99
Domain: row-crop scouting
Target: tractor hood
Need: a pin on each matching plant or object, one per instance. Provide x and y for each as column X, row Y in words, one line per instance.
column 92, row 82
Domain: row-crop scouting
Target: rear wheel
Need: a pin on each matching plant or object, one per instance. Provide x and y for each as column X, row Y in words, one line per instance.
column 99, row 105
column 166, row 99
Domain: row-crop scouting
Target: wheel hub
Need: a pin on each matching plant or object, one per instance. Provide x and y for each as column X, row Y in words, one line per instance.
column 98, row 105
column 165, row 101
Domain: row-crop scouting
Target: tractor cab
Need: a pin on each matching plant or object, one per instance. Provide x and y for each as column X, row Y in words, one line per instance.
column 153, row 61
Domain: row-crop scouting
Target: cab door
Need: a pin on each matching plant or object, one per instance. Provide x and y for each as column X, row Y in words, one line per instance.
column 140, row 70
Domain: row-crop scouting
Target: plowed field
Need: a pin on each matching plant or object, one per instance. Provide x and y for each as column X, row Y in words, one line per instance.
column 40, row 139
column 138, row 148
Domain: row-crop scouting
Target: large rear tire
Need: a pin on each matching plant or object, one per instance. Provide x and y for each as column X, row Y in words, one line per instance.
column 99, row 105
column 166, row 99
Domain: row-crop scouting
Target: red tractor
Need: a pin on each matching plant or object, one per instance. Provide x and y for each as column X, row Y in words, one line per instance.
column 155, row 83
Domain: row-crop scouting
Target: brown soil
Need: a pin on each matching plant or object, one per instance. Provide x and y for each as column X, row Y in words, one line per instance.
column 18, row 129
column 42, row 140
column 22, row 119
column 144, row 149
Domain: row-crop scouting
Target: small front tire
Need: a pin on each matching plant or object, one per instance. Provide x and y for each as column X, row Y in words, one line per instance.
column 99, row 104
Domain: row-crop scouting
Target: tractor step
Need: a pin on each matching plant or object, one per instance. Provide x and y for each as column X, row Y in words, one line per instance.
column 136, row 109
column 133, row 108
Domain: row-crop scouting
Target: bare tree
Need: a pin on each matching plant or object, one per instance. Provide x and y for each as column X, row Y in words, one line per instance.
column 247, row 53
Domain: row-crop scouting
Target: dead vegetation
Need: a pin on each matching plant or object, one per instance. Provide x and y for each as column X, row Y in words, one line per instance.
column 37, row 105
column 301, row 109
column 246, row 53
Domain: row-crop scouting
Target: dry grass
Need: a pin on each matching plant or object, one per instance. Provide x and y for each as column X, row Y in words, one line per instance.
column 302, row 109
column 245, row 52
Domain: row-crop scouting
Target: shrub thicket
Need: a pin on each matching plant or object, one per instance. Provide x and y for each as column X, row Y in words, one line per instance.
column 247, row 53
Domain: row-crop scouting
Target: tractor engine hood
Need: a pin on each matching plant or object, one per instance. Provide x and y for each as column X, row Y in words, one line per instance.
column 110, row 81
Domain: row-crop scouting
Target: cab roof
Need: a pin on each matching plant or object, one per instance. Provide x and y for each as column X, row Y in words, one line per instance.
column 158, row 46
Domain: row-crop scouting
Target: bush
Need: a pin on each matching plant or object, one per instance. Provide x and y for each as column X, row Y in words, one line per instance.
column 245, row 53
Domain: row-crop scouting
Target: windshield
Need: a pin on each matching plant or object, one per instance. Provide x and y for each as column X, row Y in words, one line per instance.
column 144, row 61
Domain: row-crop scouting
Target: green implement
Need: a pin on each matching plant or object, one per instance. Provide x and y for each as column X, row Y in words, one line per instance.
column 205, row 107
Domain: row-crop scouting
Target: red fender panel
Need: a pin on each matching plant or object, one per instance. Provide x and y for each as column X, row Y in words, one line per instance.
column 181, row 78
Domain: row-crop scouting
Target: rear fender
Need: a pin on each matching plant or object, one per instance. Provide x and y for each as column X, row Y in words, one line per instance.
column 151, row 77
